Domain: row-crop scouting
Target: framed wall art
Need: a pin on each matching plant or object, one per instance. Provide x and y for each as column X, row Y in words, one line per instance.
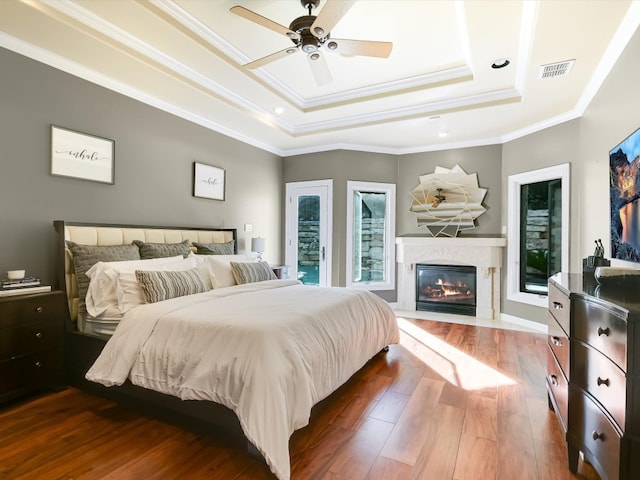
column 208, row 181
column 83, row 156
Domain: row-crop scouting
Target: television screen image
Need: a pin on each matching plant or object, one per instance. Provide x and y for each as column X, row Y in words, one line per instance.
column 624, row 188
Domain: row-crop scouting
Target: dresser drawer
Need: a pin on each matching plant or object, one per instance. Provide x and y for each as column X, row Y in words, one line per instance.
column 30, row 370
column 595, row 434
column 601, row 328
column 559, row 307
column 599, row 376
column 28, row 338
column 558, row 388
column 15, row 311
column 559, row 343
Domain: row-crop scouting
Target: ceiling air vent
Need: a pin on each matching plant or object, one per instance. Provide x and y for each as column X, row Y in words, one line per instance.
column 556, row 69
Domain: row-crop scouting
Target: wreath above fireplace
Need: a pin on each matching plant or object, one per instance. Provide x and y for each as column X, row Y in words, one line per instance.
column 447, row 201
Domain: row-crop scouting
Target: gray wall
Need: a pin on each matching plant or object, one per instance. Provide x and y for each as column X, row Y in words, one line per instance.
column 154, row 153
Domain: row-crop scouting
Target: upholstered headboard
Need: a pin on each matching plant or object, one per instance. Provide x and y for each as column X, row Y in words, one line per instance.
column 109, row 234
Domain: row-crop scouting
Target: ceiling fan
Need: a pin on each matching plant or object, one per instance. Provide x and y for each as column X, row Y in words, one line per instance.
column 309, row 33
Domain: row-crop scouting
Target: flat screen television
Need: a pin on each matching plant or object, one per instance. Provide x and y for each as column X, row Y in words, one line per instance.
column 624, row 189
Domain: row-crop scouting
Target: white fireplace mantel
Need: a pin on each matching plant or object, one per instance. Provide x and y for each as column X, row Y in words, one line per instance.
column 485, row 253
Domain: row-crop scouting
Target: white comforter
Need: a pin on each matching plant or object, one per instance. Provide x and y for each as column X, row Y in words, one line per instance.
column 269, row 351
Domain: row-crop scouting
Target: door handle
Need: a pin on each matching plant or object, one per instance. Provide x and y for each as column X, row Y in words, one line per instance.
column 322, row 253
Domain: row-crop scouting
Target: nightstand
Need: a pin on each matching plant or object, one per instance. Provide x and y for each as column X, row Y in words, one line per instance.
column 31, row 343
column 281, row 271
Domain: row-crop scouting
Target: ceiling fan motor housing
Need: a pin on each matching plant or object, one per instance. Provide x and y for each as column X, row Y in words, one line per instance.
column 308, row 42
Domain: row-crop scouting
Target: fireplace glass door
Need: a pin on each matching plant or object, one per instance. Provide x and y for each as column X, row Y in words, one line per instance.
column 446, row 289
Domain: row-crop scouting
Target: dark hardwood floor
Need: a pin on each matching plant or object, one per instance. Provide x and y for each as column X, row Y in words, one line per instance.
column 450, row 402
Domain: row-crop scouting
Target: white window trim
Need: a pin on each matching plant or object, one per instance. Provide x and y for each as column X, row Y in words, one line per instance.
column 389, row 231
column 513, row 233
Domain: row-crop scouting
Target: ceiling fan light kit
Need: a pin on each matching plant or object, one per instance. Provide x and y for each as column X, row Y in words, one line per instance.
column 309, row 33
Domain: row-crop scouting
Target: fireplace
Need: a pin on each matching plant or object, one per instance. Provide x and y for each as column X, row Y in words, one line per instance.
column 446, row 288
column 484, row 253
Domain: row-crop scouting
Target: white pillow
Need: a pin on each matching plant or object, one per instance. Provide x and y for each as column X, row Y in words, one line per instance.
column 101, row 294
column 218, row 268
column 130, row 294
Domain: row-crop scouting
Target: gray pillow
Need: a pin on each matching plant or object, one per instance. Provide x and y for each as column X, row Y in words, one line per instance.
column 86, row 256
column 249, row 272
column 163, row 285
column 215, row 248
column 160, row 250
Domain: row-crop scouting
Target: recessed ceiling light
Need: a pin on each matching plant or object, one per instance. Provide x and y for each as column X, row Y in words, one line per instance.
column 443, row 133
column 500, row 63
column 278, row 110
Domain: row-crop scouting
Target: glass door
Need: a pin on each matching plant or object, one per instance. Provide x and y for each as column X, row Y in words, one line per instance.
column 308, row 231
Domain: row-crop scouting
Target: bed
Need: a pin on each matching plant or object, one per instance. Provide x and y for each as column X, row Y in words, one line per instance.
column 250, row 359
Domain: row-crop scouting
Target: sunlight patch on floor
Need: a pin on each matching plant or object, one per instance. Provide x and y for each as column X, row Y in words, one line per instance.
column 455, row 366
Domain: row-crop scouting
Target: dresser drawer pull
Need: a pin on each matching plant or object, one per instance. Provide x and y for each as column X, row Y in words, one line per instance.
column 598, row 436
column 554, row 380
column 604, row 331
column 39, row 309
column 556, row 341
column 38, row 334
column 603, row 382
column 557, row 305
column 38, row 364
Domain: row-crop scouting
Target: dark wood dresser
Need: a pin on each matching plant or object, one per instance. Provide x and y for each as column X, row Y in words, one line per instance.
column 593, row 373
column 31, row 343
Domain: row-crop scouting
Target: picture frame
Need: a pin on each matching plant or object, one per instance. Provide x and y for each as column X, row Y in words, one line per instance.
column 81, row 155
column 208, row 181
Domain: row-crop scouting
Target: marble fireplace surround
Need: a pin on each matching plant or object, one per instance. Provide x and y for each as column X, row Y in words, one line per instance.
column 485, row 253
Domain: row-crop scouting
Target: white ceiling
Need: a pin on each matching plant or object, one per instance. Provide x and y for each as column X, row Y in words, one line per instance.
column 186, row 57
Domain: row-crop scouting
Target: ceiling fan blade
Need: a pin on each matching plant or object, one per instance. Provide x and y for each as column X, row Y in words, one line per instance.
column 319, row 68
column 264, row 21
column 260, row 62
column 330, row 14
column 366, row 48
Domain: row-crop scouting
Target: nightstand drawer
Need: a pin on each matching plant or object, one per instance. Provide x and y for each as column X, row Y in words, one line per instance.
column 601, row 328
column 17, row 310
column 599, row 376
column 28, row 338
column 30, row 370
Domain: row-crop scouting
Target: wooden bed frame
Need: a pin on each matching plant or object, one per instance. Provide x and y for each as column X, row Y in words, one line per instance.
column 81, row 349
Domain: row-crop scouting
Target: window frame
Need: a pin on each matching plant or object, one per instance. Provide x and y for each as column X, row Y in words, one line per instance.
column 515, row 182
column 389, row 189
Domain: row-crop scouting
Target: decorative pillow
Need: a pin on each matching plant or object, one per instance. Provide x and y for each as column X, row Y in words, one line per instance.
column 86, row 256
column 130, row 293
column 158, row 286
column 217, row 268
column 215, row 248
column 101, row 294
column 249, row 272
column 158, row 250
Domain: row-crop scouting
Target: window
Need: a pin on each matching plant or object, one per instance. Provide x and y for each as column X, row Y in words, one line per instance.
column 538, row 236
column 371, row 235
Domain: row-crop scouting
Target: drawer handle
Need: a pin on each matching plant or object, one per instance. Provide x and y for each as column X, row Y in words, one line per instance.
column 39, row 309
column 603, row 382
column 38, row 364
column 598, row 436
column 38, row 334
column 604, row 331
column 556, row 341
column 557, row 305
column 554, row 380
